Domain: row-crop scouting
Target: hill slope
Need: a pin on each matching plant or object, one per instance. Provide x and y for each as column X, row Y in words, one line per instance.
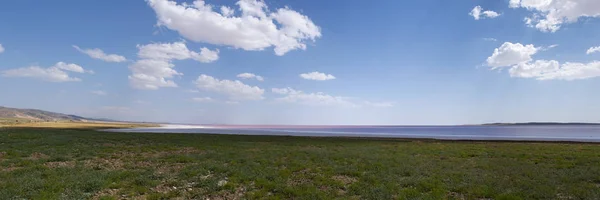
column 37, row 115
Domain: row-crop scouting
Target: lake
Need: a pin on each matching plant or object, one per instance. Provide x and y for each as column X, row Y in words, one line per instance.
column 575, row 133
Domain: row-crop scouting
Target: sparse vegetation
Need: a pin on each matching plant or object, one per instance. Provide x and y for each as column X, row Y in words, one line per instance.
column 87, row 164
column 74, row 124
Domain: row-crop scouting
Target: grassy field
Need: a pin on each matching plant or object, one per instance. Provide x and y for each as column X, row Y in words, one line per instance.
column 86, row 164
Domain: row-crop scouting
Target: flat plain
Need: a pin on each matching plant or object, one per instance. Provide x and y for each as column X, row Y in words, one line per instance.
column 80, row 163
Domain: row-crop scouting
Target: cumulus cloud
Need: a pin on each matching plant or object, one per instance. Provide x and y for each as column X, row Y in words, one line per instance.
column 233, row 89
column 254, row 29
column 56, row 73
column 202, row 99
column 281, row 90
column 99, row 92
column 227, row 11
column 206, row 55
column 1, row 48
column 250, row 76
column 553, row 70
column 71, row 67
column 176, row 51
column 479, row 13
column 313, row 99
column 510, row 54
column 550, row 15
column 146, row 82
column 154, row 69
column 318, row 76
column 592, row 50
column 99, row 54
column 536, row 69
column 518, row 58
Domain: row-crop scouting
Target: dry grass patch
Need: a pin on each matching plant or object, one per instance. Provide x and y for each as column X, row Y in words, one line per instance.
column 456, row 195
column 10, row 168
column 168, row 169
column 238, row 193
column 105, row 164
column 79, row 125
column 301, row 177
column 346, row 180
column 37, row 156
column 67, row 164
column 106, row 193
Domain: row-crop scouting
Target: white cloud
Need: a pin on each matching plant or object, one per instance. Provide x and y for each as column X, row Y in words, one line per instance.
column 490, row 14
column 553, row 70
column 479, row 13
column 536, row 69
column 282, row 90
column 549, row 47
column 519, row 58
column 234, row 89
column 56, row 73
column 154, row 69
column 71, row 67
column 227, row 11
column 318, row 76
column 380, row 104
column 176, row 51
column 99, row 92
column 99, row 54
column 313, row 99
column 511, row 54
column 152, row 74
column 514, row 3
column 490, row 39
column 202, row 99
column 254, row 29
column 1, row 48
column 592, row 50
column 46, row 74
column 146, row 82
column 250, row 76
column 549, row 15
column 206, row 55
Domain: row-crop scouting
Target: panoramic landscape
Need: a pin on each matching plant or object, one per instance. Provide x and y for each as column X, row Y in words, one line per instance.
column 262, row 99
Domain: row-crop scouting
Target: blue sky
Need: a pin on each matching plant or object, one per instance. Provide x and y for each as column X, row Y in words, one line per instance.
column 387, row 62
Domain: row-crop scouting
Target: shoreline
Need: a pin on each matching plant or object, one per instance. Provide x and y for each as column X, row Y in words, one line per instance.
column 377, row 136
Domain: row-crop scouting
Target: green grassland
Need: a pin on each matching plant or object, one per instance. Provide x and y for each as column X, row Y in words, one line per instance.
column 87, row 164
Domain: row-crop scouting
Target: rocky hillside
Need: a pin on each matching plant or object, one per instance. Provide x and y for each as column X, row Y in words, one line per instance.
column 36, row 115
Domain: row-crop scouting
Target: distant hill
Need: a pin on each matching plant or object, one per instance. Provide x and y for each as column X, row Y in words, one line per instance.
column 540, row 124
column 37, row 115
